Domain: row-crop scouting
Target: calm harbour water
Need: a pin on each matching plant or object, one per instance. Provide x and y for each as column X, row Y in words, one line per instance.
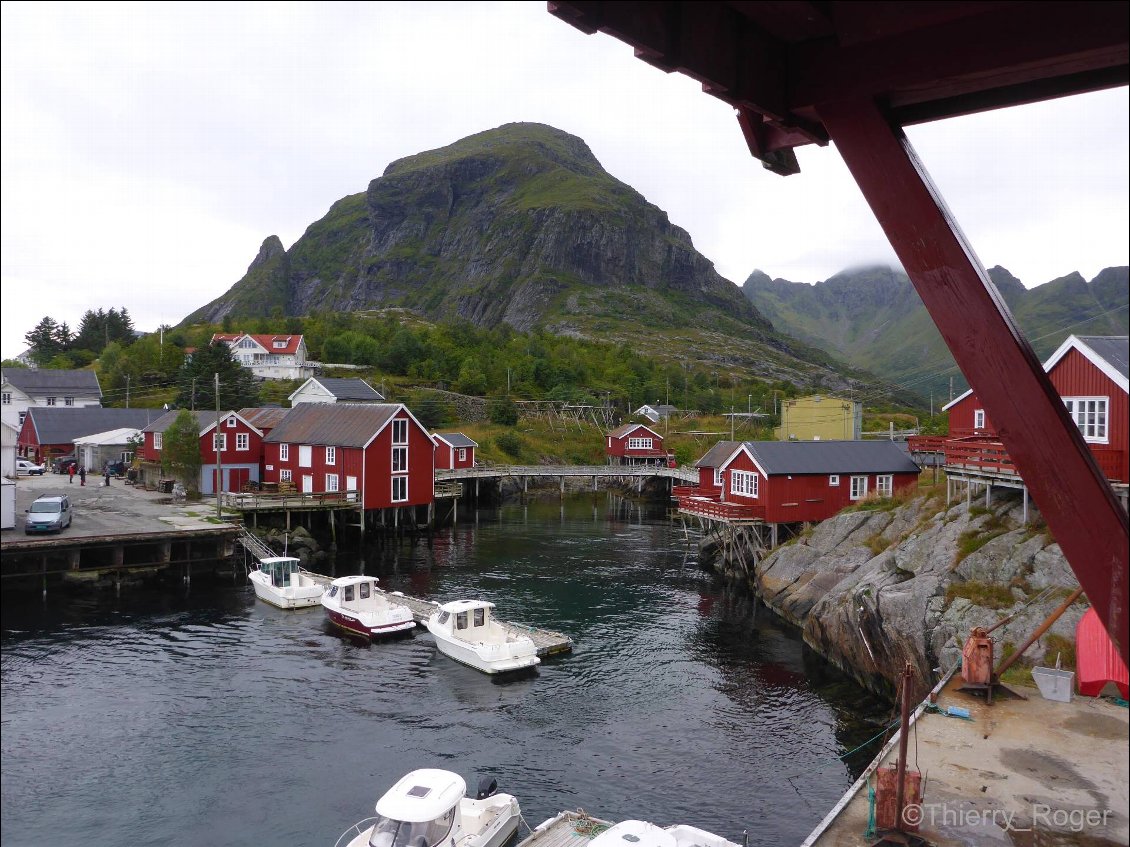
column 201, row 717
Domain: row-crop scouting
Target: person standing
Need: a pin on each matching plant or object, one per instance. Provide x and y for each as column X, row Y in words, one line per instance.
column 82, row 474
column 71, row 473
column 106, row 473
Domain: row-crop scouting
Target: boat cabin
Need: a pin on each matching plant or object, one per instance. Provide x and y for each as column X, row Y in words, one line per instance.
column 421, row 810
column 356, row 593
column 281, row 570
column 469, row 620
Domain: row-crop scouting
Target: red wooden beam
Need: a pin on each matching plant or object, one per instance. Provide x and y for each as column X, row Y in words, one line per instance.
column 1031, row 420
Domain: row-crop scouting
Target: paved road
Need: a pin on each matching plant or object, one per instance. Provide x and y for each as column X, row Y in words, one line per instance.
column 99, row 510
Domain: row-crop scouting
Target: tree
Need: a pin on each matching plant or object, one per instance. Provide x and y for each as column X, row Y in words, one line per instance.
column 43, row 341
column 197, row 380
column 180, row 453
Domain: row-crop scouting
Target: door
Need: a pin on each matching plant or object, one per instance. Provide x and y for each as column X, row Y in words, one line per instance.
column 351, row 487
column 307, row 483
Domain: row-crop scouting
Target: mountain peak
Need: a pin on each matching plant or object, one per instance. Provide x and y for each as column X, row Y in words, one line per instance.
column 271, row 247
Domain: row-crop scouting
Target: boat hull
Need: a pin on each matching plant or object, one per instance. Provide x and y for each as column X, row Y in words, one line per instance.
column 466, row 654
column 353, row 625
column 285, row 598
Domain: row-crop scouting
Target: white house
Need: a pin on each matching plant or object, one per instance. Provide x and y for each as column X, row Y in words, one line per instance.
column 269, row 356
column 113, row 446
column 23, row 388
column 322, row 389
column 8, row 476
column 656, row 412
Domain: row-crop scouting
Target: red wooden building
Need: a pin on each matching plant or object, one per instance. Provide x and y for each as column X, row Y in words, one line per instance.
column 635, row 444
column 454, row 450
column 378, row 450
column 1090, row 375
column 240, row 446
column 783, row 482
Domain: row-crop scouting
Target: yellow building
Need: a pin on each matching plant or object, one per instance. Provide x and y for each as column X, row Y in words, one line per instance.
column 820, row 418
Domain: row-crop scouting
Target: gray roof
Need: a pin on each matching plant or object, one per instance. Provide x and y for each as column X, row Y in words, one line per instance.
column 351, row 390
column 1114, row 349
column 717, row 454
column 621, row 431
column 264, row 417
column 62, row 426
column 204, row 419
column 830, row 457
column 336, row 424
column 40, row 381
column 456, row 439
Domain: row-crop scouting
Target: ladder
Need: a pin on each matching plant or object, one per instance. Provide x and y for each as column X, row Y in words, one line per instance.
column 254, row 545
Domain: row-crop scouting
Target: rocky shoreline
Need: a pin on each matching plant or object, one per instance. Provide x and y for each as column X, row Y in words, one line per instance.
column 875, row 588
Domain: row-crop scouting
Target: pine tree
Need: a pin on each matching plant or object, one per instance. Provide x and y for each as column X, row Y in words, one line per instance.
column 237, row 385
column 43, row 341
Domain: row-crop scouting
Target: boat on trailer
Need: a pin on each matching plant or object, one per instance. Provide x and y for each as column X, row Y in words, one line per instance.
column 429, row 808
column 355, row 605
column 466, row 631
column 282, row 581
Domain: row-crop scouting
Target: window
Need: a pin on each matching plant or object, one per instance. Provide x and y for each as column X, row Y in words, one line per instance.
column 331, row 482
column 399, row 459
column 279, row 345
column 834, row 480
column 884, row 485
column 305, row 456
column 744, row 483
column 231, row 422
column 460, row 620
column 68, row 401
column 348, row 593
column 158, row 440
column 858, row 487
column 978, row 418
column 462, row 454
column 22, row 416
column 400, row 431
column 480, row 617
column 284, row 452
column 363, row 591
column 331, row 455
column 399, row 489
column 247, row 344
column 1090, row 415
column 50, row 401
column 718, row 480
column 285, row 475
column 7, row 398
column 220, row 441
column 242, row 441
column 639, row 443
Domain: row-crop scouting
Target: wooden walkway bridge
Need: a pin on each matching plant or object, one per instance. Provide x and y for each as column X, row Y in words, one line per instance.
column 563, row 472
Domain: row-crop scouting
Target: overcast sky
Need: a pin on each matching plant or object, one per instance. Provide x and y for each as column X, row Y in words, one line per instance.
column 148, row 149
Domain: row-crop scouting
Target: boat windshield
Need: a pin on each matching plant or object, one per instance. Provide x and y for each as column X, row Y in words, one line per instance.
column 392, row 833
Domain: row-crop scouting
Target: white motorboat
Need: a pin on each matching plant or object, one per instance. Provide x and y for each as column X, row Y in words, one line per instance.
column 633, row 833
column 356, row 605
column 466, row 631
column 429, row 807
column 281, row 581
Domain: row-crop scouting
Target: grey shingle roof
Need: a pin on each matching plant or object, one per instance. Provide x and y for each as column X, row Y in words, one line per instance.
column 830, row 457
column 1114, row 349
column 621, row 431
column 717, row 454
column 47, row 381
column 62, row 426
column 351, row 390
column 456, row 439
column 337, row 424
column 204, row 419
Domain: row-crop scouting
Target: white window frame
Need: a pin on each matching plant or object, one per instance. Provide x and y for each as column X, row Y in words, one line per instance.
column 68, row 401
column 158, row 440
column 885, row 485
column 331, row 482
column 462, row 454
column 978, row 418
column 220, row 441
column 243, row 441
column 744, row 483
column 331, row 456
column 232, row 422
column 1092, row 416
column 51, row 401
column 285, row 475
column 719, row 478
column 834, row 480
column 284, row 452
column 639, row 443
column 858, row 488
column 7, row 398
column 399, row 459
column 305, row 456
column 398, row 481
column 400, row 431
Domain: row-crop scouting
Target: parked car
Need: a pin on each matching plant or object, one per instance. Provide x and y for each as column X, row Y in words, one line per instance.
column 30, row 468
column 63, row 463
column 48, row 514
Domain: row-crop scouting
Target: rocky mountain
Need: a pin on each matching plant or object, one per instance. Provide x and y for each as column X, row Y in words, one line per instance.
column 521, row 225
column 873, row 318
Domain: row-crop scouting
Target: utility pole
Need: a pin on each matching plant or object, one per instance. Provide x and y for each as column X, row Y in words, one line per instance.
column 217, row 443
column 127, row 391
column 192, row 400
column 731, row 423
column 931, row 405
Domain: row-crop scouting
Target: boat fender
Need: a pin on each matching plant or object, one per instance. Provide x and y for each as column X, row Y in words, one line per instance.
column 487, row 788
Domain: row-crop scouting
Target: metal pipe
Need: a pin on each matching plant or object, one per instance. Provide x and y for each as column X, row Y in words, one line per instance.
column 904, row 737
column 1040, row 630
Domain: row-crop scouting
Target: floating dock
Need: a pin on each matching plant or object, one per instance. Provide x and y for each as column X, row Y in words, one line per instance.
column 567, row 829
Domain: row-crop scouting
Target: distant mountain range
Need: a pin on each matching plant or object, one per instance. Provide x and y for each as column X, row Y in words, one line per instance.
column 521, row 225
column 873, row 318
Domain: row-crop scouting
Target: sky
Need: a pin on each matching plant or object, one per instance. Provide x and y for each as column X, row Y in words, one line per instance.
column 148, row 149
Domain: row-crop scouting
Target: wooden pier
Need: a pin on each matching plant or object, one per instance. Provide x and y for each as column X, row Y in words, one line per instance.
column 567, row 829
